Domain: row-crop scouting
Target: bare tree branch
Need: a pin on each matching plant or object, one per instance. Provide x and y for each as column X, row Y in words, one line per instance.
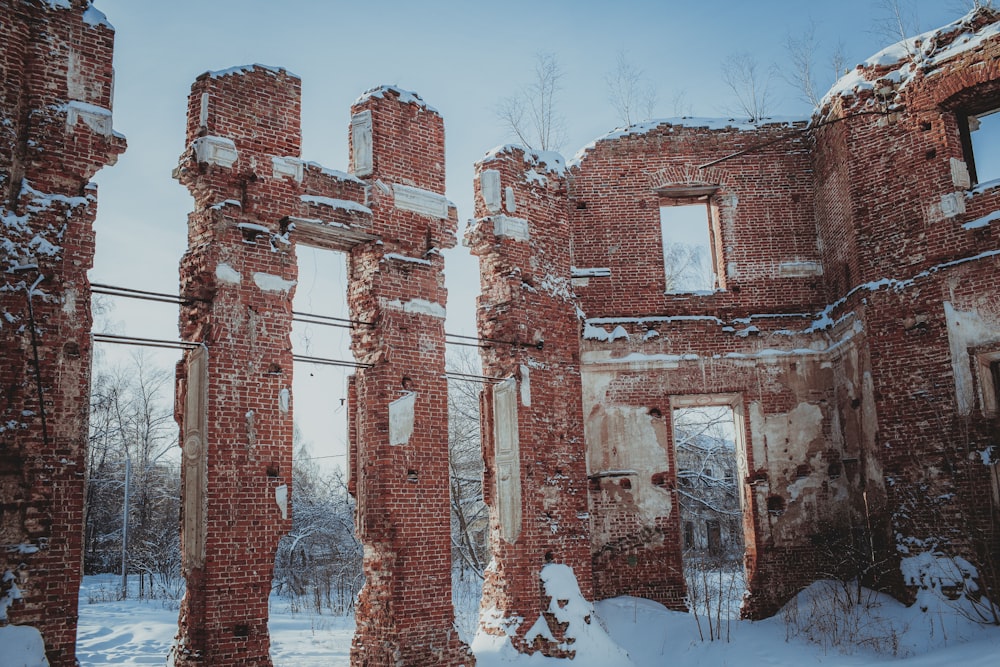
column 752, row 88
column 532, row 115
column 632, row 97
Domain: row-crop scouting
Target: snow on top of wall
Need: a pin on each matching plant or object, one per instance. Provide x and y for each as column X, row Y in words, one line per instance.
column 334, row 173
column 94, row 17
column 547, row 161
column 246, row 69
column 714, row 124
column 405, row 96
column 899, row 62
column 983, row 221
column 343, row 204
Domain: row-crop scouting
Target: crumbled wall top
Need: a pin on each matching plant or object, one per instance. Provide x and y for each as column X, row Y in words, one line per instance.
column 405, row 96
column 738, row 124
column 547, row 161
column 246, row 69
column 892, row 68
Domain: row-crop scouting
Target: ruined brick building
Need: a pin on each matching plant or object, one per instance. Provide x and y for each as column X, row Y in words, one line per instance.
column 852, row 326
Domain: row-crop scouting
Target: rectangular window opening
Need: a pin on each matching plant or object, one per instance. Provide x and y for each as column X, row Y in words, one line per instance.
column 981, row 144
column 689, row 254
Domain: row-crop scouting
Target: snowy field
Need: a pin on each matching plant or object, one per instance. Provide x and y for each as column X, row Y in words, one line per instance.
column 639, row 633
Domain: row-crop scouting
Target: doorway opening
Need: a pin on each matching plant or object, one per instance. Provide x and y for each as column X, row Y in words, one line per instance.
column 711, row 462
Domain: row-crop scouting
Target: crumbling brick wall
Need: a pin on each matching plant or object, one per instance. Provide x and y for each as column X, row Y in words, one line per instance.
column 923, row 284
column 399, row 419
column 255, row 200
column 855, row 327
column 535, row 459
column 55, row 134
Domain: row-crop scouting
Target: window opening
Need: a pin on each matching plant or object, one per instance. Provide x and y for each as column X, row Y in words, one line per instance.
column 711, row 513
column 322, row 511
column 688, row 252
column 981, row 143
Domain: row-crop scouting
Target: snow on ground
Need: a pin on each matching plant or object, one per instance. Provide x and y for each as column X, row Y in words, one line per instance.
column 140, row 633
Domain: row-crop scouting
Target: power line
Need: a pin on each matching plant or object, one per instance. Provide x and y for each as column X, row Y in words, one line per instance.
column 143, row 342
column 298, row 316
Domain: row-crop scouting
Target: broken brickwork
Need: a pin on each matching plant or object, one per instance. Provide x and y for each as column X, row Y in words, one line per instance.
column 55, row 134
column 255, row 200
column 535, row 460
column 399, row 414
column 853, row 327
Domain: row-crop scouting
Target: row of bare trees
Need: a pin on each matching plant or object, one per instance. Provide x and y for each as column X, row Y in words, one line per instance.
column 532, row 115
column 133, row 489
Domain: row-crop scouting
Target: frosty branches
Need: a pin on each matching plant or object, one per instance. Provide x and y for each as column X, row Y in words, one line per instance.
column 742, row 74
column 632, row 97
column 531, row 115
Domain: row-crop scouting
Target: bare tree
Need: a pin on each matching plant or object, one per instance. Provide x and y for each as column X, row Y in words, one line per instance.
column 469, row 514
column 132, row 435
column 802, row 49
column 681, row 103
column 632, row 97
column 687, row 267
column 318, row 564
column 751, row 86
column 532, row 114
column 897, row 20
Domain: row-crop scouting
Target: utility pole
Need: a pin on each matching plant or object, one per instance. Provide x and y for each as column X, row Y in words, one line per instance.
column 128, row 479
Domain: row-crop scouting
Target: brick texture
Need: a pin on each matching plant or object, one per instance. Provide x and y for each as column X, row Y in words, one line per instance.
column 55, row 134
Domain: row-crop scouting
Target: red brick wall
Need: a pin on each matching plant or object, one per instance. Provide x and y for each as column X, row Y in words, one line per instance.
column 615, row 218
column 55, row 67
column 527, row 303
column 404, row 613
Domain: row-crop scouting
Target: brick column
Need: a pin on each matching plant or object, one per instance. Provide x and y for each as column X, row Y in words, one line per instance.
column 55, row 134
column 399, row 416
column 254, row 197
column 536, row 473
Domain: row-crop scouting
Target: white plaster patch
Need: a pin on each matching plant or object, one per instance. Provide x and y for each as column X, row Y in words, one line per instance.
column 215, row 150
column 361, row 143
column 960, row 174
column 291, row 167
column 489, row 185
column 421, row 306
column 418, row 200
column 69, row 301
column 525, row 386
column 228, row 274
column 514, row 228
column 950, row 205
column 203, row 113
column 507, row 458
column 509, row 202
column 966, row 331
column 401, row 416
column 96, row 118
column 271, row 283
column 281, row 498
column 800, row 269
column 284, row 400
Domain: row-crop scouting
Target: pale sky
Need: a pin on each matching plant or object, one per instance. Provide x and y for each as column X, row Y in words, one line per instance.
column 461, row 57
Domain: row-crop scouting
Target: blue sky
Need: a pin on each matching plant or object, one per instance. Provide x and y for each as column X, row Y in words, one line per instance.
column 461, row 57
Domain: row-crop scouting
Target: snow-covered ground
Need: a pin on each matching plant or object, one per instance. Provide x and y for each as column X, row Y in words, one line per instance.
column 140, row 632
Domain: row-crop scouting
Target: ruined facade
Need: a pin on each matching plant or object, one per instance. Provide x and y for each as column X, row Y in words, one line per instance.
column 851, row 325
column 55, row 134
column 255, row 201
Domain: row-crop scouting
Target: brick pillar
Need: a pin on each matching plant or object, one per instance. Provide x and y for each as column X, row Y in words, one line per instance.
column 55, row 134
column 254, row 197
column 399, row 421
column 536, row 472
